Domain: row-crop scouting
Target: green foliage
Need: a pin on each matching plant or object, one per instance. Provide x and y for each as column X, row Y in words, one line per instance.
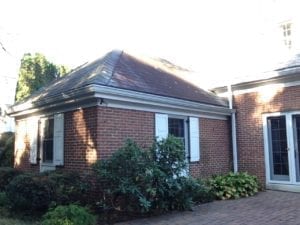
column 203, row 193
column 6, row 175
column 7, row 149
column 234, row 185
column 3, row 199
column 27, row 192
column 36, row 192
column 169, row 155
column 69, row 215
column 67, row 187
column 138, row 180
column 35, row 72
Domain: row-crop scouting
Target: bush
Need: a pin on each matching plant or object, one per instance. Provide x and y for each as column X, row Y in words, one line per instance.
column 7, row 149
column 68, row 215
column 28, row 192
column 36, row 192
column 66, row 187
column 203, row 194
column 234, row 185
column 6, row 175
column 140, row 181
column 3, row 199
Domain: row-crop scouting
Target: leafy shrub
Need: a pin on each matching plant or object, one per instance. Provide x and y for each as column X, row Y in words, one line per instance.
column 67, row 187
column 36, row 192
column 203, row 193
column 68, row 215
column 28, row 192
column 234, row 185
column 138, row 180
column 6, row 175
column 3, row 199
column 7, row 149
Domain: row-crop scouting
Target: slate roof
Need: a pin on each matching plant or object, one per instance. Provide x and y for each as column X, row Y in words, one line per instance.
column 121, row 70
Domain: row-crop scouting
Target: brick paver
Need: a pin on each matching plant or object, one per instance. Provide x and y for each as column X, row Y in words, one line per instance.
column 266, row 208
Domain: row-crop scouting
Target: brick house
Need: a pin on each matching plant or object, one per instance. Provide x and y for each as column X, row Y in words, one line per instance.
column 268, row 125
column 89, row 113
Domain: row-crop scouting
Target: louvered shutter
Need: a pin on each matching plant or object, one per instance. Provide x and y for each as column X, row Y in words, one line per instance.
column 32, row 134
column 161, row 126
column 58, row 142
column 194, row 139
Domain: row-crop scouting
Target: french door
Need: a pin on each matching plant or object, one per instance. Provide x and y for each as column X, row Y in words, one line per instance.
column 282, row 143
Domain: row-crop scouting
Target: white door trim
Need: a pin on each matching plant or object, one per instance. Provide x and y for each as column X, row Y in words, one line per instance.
column 290, row 144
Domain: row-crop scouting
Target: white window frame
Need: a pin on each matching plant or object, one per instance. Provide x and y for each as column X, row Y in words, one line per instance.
column 48, row 166
column 290, row 142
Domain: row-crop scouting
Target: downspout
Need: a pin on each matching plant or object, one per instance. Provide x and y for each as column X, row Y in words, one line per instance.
column 233, row 130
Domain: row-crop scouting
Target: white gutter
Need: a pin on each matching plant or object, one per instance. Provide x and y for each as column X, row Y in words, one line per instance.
column 233, row 130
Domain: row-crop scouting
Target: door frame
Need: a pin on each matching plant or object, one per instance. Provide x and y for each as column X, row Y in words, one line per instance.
column 290, row 144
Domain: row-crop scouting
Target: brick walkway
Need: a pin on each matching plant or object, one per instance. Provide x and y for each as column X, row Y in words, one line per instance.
column 266, row 208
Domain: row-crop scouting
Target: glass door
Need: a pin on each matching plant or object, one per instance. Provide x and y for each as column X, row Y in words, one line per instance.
column 278, row 148
column 296, row 131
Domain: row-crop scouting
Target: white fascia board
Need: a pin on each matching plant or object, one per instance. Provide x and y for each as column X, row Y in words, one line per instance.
column 122, row 95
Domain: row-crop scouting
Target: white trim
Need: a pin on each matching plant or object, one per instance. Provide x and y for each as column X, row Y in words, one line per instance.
column 184, row 111
column 115, row 94
column 157, row 100
column 260, row 88
column 266, row 148
column 290, row 144
column 283, row 187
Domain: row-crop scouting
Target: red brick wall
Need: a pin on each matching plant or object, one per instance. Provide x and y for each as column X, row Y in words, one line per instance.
column 250, row 107
column 96, row 132
column 117, row 125
column 215, row 148
column 80, row 133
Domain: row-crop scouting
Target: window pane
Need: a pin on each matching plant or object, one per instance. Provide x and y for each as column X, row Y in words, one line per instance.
column 176, row 127
column 278, row 143
column 48, row 141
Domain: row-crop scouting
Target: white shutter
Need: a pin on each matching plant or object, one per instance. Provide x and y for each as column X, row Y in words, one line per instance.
column 32, row 132
column 161, row 126
column 58, row 142
column 194, row 139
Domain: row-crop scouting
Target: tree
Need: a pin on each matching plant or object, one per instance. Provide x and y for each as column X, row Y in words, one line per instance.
column 35, row 72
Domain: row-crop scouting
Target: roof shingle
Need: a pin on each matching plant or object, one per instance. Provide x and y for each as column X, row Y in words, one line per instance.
column 118, row 69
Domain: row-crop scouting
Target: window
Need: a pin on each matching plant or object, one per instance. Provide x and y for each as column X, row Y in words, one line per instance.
column 287, row 34
column 47, row 140
column 51, row 141
column 178, row 126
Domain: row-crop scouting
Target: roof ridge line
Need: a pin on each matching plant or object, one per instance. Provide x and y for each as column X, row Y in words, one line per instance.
column 114, row 66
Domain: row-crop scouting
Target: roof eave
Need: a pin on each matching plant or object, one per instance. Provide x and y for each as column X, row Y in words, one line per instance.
column 94, row 91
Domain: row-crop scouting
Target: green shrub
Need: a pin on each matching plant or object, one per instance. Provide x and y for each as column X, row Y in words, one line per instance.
column 7, row 149
column 138, row 180
column 234, row 185
column 3, row 199
column 6, row 175
column 67, row 187
column 29, row 192
column 203, row 194
column 36, row 192
column 68, row 215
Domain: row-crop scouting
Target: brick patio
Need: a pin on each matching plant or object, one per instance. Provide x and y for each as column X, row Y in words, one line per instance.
column 266, row 208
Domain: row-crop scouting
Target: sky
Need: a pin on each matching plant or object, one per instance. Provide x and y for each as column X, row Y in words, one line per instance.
column 215, row 38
